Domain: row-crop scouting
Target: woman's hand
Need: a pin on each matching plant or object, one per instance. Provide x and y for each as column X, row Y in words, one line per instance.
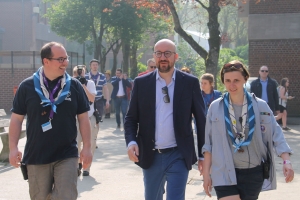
column 207, row 184
column 288, row 172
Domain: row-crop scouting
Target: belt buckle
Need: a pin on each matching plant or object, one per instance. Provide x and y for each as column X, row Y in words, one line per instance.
column 159, row 151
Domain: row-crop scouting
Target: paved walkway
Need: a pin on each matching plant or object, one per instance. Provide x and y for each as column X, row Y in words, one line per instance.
column 114, row 177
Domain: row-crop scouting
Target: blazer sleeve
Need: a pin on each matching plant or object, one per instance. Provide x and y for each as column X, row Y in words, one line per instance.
column 132, row 116
column 198, row 110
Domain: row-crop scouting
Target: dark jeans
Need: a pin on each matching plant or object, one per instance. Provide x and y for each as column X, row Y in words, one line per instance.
column 99, row 106
column 120, row 105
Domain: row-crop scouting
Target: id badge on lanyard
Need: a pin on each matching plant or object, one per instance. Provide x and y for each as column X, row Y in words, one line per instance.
column 47, row 126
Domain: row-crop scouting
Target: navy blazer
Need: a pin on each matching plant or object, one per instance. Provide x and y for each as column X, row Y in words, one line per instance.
column 140, row 119
column 115, row 84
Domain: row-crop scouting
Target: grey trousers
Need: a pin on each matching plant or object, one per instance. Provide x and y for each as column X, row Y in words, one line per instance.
column 55, row 181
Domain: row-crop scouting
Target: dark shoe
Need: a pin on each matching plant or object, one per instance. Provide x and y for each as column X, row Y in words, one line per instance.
column 96, row 147
column 85, row 173
column 118, row 126
column 286, row 128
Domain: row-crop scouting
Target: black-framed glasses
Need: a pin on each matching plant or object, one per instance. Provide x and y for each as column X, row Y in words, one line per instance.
column 153, row 67
column 264, row 71
column 60, row 59
column 167, row 54
column 166, row 97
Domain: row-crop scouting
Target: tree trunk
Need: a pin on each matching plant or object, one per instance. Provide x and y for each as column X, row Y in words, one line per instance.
column 212, row 56
column 133, row 61
column 115, row 54
column 214, row 40
column 126, row 53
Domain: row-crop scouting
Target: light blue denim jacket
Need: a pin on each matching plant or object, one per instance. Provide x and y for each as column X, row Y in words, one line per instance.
column 216, row 142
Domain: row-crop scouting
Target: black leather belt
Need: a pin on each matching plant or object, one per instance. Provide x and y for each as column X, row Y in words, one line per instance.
column 120, row 96
column 165, row 150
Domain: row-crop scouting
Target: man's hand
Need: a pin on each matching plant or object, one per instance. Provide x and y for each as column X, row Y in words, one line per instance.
column 133, row 153
column 207, row 184
column 121, row 76
column 200, row 166
column 288, row 172
column 86, row 157
column 15, row 157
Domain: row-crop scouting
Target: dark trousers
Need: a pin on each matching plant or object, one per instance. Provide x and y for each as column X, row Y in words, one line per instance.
column 120, row 105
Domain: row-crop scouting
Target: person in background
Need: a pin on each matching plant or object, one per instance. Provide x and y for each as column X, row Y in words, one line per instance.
column 51, row 100
column 207, row 88
column 119, row 95
column 266, row 88
column 283, row 97
column 150, row 67
column 90, row 91
column 241, row 138
column 186, row 69
column 101, row 87
column 110, row 89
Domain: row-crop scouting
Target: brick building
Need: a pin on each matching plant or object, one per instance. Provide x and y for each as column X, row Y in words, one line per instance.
column 274, row 40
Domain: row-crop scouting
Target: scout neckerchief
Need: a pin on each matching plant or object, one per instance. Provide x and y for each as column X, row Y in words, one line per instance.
column 230, row 119
column 40, row 83
column 208, row 102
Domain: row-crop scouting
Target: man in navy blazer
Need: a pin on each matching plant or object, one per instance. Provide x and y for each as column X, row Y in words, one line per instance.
column 119, row 95
column 158, row 129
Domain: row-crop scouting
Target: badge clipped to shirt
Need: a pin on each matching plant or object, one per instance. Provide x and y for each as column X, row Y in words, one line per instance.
column 47, row 126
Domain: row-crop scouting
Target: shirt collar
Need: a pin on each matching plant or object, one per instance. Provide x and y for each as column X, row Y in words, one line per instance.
column 173, row 76
column 263, row 80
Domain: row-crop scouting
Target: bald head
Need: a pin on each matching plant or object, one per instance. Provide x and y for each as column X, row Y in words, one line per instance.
column 165, row 55
column 167, row 42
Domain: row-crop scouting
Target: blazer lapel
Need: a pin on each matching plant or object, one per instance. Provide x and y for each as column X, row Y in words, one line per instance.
column 178, row 89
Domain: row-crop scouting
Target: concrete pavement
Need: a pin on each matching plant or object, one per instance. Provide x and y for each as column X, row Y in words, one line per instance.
column 113, row 176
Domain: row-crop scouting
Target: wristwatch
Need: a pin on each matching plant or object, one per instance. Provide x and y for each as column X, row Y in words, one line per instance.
column 287, row 162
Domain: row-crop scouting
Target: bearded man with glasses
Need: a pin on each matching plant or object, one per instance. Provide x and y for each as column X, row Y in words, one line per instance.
column 265, row 88
column 158, row 130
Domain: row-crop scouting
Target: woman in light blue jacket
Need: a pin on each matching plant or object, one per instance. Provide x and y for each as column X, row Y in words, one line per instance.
column 240, row 135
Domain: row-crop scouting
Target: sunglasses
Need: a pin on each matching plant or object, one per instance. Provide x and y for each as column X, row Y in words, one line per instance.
column 166, row 97
column 235, row 66
column 264, row 71
column 153, row 67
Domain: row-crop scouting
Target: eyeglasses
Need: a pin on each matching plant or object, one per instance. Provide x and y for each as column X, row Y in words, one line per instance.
column 167, row 54
column 153, row 67
column 61, row 59
column 166, row 97
column 264, row 71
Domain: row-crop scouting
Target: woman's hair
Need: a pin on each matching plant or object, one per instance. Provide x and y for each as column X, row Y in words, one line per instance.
column 232, row 66
column 186, row 69
column 283, row 83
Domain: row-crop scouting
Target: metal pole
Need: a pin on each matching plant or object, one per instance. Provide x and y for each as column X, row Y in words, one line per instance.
column 23, row 45
column 71, row 63
column 12, row 61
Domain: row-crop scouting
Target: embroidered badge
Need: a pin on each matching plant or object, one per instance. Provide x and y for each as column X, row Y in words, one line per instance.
column 265, row 113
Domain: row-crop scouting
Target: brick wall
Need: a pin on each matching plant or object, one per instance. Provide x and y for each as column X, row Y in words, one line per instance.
column 8, row 81
column 274, row 6
column 283, row 58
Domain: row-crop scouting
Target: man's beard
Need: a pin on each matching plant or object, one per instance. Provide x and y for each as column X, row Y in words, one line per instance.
column 164, row 69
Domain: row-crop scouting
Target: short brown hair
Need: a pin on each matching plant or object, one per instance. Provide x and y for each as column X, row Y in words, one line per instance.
column 232, row 66
column 209, row 77
column 46, row 51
